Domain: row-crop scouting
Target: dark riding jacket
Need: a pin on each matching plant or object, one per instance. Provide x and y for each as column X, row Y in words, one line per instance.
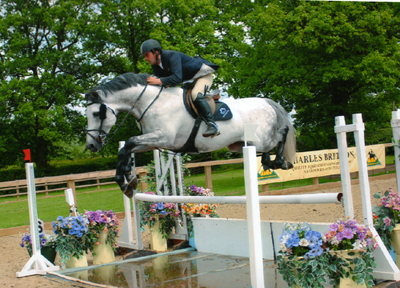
column 178, row 67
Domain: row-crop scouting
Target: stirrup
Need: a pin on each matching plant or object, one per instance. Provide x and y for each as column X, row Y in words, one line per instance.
column 212, row 130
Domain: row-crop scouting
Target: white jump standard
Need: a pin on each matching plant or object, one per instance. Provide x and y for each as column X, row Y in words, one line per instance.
column 37, row 264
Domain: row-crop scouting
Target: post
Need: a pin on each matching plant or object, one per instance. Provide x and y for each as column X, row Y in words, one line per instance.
column 71, row 185
column 265, row 188
column 341, row 133
column 208, row 174
column 395, row 123
column 253, row 217
column 363, row 170
column 143, row 185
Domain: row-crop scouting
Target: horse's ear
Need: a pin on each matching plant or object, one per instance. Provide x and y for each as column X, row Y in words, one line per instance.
column 93, row 96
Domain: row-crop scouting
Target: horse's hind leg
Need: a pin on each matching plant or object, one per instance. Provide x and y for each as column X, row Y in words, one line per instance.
column 280, row 162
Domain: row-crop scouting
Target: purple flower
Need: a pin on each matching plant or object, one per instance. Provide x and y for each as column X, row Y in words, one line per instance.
column 387, row 221
column 347, row 233
column 334, row 227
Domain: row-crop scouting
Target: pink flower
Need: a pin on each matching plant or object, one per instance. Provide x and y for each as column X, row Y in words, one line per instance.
column 387, row 221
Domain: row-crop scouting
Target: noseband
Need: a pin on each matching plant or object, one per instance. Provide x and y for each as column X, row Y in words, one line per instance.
column 102, row 115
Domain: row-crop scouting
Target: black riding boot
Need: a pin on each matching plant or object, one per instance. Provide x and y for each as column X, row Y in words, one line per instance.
column 206, row 115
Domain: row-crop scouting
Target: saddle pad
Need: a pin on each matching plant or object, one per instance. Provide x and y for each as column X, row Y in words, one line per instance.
column 222, row 112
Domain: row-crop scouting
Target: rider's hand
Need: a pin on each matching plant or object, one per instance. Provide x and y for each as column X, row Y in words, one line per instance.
column 153, row 81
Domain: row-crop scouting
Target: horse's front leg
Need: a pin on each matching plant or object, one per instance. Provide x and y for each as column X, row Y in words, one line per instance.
column 141, row 143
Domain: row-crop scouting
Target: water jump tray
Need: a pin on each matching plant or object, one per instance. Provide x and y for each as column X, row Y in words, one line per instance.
column 181, row 268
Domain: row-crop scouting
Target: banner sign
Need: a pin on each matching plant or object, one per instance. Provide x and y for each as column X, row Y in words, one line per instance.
column 321, row 163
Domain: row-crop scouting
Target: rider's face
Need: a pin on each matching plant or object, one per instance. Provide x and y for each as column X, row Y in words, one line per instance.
column 151, row 58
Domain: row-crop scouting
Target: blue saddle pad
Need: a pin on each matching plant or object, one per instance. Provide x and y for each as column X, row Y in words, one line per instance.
column 222, row 112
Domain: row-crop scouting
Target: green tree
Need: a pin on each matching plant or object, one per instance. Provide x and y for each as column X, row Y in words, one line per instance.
column 323, row 59
column 43, row 67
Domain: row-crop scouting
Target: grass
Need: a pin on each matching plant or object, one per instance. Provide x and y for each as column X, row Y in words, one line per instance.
column 227, row 180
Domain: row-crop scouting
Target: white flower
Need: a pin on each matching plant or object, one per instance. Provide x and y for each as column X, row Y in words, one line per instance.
column 334, row 241
column 357, row 245
column 304, row 242
column 323, row 237
column 284, row 238
column 282, row 247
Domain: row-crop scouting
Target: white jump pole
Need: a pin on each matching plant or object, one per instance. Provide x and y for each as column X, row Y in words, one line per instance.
column 316, row 198
column 37, row 264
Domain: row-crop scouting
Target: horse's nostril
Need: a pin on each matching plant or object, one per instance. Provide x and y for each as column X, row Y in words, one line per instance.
column 91, row 147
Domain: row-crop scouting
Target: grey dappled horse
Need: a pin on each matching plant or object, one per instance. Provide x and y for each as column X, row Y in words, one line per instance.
column 166, row 124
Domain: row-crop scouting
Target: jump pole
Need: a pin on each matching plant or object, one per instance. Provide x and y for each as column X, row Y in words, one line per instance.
column 37, row 264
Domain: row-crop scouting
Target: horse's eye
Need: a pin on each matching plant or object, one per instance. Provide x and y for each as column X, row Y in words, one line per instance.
column 95, row 114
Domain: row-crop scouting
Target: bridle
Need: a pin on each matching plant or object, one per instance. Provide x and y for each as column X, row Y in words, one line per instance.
column 101, row 139
column 102, row 115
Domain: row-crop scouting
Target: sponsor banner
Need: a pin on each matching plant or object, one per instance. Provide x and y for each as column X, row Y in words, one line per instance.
column 321, row 163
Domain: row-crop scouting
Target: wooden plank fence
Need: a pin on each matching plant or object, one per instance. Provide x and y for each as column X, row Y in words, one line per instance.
column 60, row 183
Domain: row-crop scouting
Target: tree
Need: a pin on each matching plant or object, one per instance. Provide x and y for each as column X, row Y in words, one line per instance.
column 43, row 68
column 323, row 59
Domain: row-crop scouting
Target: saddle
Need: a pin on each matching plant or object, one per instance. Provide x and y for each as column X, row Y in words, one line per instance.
column 220, row 110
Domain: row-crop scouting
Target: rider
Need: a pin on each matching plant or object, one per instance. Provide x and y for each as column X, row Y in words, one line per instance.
column 173, row 68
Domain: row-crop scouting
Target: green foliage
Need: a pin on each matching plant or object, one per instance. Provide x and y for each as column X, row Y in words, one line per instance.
column 323, row 59
column 355, row 265
column 43, row 68
column 302, row 272
column 312, row 273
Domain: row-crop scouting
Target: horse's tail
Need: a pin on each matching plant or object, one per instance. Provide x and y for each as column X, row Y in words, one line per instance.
column 283, row 118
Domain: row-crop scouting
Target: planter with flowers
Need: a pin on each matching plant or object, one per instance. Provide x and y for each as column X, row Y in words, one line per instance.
column 47, row 245
column 161, row 219
column 103, row 225
column 387, row 220
column 343, row 255
column 198, row 210
column 72, row 240
column 301, row 260
column 350, row 246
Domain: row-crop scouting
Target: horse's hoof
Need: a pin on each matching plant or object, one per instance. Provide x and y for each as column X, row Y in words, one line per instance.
column 287, row 165
column 126, row 169
column 133, row 183
column 127, row 190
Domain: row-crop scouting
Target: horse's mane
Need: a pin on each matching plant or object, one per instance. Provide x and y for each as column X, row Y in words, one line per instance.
column 122, row 82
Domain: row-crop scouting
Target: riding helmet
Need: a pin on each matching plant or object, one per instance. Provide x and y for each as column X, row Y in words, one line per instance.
column 150, row 45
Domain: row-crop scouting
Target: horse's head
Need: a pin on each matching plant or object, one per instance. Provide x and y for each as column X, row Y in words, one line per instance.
column 100, row 118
